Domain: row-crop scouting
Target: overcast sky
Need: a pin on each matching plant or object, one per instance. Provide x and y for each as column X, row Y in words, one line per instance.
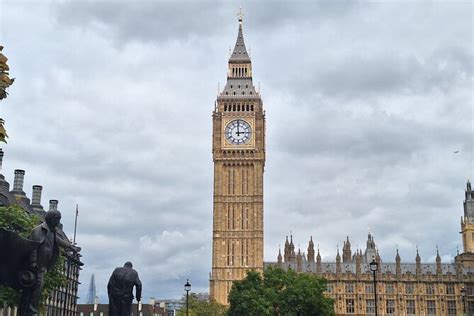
column 365, row 102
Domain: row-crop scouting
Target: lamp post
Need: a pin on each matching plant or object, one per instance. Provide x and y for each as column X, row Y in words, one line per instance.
column 374, row 266
column 187, row 288
column 463, row 295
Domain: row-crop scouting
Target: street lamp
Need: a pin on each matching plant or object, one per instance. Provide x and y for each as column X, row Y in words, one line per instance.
column 374, row 266
column 187, row 288
column 463, row 295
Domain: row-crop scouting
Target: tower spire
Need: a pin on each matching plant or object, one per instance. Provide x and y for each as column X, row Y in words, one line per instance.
column 240, row 15
column 240, row 54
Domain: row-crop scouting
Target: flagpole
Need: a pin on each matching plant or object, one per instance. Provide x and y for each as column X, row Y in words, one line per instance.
column 75, row 224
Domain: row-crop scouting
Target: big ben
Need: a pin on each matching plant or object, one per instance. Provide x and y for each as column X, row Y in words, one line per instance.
column 238, row 148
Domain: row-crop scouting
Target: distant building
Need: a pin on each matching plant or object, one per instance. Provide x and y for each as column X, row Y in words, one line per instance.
column 172, row 306
column 412, row 288
column 152, row 309
column 62, row 301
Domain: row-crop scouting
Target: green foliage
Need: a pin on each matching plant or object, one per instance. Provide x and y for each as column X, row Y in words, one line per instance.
column 200, row 305
column 248, row 297
column 5, row 80
column 55, row 277
column 16, row 219
column 279, row 292
column 9, row 296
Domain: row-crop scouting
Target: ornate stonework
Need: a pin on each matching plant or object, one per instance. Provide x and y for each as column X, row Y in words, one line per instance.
column 403, row 288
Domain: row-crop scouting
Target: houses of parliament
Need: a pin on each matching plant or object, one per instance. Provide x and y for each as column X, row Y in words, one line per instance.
column 238, row 148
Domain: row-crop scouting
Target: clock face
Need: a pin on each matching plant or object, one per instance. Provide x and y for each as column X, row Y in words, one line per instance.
column 238, row 132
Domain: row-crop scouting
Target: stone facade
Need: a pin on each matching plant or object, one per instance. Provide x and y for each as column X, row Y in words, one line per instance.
column 412, row 288
column 238, row 149
column 62, row 301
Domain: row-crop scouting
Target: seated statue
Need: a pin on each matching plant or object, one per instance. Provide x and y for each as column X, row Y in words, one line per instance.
column 24, row 262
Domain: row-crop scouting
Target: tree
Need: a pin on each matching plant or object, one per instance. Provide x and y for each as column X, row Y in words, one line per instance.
column 5, row 83
column 280, row 293
column 201, row 305
column 248, row 297
column 15, row 218
column 5, row 80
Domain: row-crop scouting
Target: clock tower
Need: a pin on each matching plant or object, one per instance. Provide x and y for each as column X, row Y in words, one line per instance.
column 238, row 148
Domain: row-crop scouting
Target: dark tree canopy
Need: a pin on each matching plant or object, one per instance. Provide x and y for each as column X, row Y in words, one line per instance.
column 279, row 292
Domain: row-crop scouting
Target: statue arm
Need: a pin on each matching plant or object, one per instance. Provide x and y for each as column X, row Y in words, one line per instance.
column 111, row 283
column 66, row 244
column 138, row 288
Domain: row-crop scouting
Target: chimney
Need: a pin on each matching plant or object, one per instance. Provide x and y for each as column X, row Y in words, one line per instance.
column 18, row 180
column 3, row 183
column 1, row 159
column 36, row 196
column 53, row 205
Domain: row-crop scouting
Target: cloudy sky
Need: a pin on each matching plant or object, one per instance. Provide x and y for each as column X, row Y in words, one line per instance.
column 365, row 104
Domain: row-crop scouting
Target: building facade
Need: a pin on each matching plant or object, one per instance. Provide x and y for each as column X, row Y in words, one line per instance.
column 62, row 301
column 403, row 288
column 238, row 148
column 152, row 309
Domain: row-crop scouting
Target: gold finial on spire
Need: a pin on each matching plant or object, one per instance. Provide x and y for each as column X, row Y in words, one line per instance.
column 240, row 15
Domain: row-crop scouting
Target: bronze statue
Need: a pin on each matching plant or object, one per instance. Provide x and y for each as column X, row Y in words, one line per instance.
column 24, row 261
column 120, row 288
column 14, row 252
column 40, row 260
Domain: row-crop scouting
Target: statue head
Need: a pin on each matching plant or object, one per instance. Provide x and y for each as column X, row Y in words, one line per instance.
column 52, row 218
column 128, row 264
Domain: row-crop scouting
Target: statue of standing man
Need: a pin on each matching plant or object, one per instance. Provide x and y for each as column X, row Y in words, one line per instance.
column 120, row 288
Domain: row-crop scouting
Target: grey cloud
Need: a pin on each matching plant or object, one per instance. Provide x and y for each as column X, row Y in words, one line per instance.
column 144, row 20
column 365, row 105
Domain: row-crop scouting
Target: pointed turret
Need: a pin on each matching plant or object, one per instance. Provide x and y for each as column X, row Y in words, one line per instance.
column 292, row 250
column 279, row 258
column 299, row 261
column 346, row 251
column 311, row 249
column 438, row 262
column 318, row 263
column 370, row 252
column 467, row 223
column 338, row 261
column 398, row 266
column 287, row 250
column 418, row 263
column 358, row 259
column 3, row 184
column 377, row 257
